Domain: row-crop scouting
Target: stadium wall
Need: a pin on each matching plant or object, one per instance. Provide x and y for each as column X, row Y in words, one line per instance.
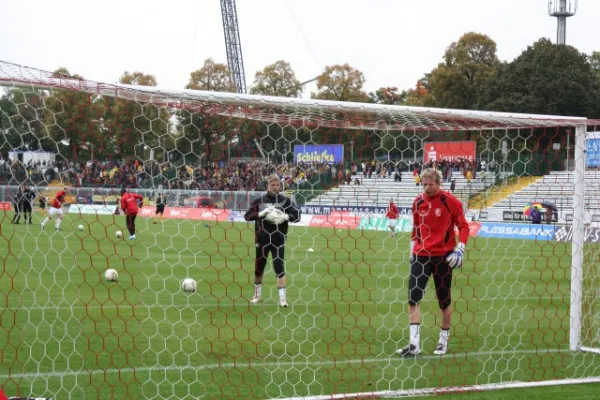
column 365, row 221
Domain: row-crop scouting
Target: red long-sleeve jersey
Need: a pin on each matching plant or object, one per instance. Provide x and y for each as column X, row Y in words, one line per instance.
column 434, row 221
column 129, row 203
column 59, row 199
column 392, row 211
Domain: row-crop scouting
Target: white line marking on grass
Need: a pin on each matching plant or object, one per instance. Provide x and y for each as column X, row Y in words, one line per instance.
column 245, row 304
column 278, row 364
column 386, row 394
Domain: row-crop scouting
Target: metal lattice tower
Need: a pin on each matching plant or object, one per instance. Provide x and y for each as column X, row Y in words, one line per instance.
column 562, row 9
column 233, row 44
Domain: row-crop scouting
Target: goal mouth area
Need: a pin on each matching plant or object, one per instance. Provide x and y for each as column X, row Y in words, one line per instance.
column 295, row 112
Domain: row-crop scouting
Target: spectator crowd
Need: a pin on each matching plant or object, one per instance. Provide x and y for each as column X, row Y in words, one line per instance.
column 219, row 175
column 216, row 175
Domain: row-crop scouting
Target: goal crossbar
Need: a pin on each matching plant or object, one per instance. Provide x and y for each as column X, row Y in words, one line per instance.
column 295, row 111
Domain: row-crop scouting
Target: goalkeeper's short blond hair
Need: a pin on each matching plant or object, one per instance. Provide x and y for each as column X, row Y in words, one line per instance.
column 431, row 173
column 272, row 178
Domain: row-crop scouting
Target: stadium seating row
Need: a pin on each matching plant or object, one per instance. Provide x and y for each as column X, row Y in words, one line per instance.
column 377, row 192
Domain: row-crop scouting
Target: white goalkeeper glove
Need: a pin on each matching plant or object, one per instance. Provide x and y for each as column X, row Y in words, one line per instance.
column 276, row 216
column 264, row 213
column 412, row 255
column 455, row 259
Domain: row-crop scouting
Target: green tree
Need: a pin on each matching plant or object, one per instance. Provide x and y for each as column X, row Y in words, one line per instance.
column 202, row 135
column 73, row 120
column 21, row 121
column 420, row 96
column 594, row 59
column 211, row 77
column 277, row 79
column 545, row 79
column 135, row 128
column 138, row 78
column 341, row 83
column 468, row 63
column 388, row 95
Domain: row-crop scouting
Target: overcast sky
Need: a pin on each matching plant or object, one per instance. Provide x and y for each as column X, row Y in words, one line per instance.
column 392, row 41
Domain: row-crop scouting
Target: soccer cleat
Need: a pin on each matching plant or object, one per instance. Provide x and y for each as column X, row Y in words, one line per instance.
column 131, row 237
column 283, row 303
column 410, row 351
column 255, row 300
column 441, row 348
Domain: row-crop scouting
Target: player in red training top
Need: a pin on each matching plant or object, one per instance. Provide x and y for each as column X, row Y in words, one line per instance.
column 56, row 209
column 129, row 204
column 392, row 216
column 434, row 251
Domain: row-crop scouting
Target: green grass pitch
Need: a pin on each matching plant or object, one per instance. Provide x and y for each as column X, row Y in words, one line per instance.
column 67, row 333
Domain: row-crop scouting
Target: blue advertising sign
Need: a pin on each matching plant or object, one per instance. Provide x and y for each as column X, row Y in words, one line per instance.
column 236, row 216
column 326, row 210
column 319, row 153
column 593, row 153
column 516, row 231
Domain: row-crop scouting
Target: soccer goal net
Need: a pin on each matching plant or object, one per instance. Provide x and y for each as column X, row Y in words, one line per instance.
column 526, row 302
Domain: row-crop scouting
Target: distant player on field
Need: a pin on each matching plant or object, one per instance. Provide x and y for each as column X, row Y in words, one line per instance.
column 56, row 209
column 43, row 205
column 129, row 205
column 27, row 207
column 392, row 216
column 271, row 213
column 434, row 251
column 161, row 203
column 17, row 204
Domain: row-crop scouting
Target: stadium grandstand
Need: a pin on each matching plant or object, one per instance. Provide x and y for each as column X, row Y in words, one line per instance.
column 375, row 185
column 555, row 190
column 369, row 183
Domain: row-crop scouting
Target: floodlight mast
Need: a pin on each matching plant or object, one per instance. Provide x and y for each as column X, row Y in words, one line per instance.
column 562, row 9
column 233, row 44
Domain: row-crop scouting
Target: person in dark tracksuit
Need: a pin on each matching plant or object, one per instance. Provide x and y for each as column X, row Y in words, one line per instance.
column 17, row 204
column 161, row 203
column 43, row 205
column 272, row 213
column 27, row 203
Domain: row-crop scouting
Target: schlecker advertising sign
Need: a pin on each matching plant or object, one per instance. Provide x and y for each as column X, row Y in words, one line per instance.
column 449, row 151
column 319, row 154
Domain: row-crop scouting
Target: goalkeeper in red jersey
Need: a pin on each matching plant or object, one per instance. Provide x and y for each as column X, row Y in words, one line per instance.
column 131, row 203
column 434, row 251
column 56, row 209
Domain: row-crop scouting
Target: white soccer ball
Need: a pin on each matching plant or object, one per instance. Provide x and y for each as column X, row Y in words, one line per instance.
column 80, row 227
column 188, row 285
column 119, row 234
column 111, row 275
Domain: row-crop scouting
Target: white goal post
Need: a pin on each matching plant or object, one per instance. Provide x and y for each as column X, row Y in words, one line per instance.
column 520, row 284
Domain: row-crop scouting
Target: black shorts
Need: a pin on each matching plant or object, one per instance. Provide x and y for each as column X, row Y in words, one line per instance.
column 420, row 271
column 160, row 210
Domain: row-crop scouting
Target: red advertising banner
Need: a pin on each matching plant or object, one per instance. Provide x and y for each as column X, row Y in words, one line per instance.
column 474, row 228
column 337, row 220
column 198, row 214
column 449, row 151
column 5, row 206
